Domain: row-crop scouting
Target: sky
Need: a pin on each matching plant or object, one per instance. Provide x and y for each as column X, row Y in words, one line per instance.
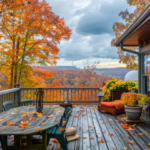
column 91, row 22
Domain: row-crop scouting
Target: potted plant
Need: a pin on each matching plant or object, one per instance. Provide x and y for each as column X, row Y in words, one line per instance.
column 133, row 104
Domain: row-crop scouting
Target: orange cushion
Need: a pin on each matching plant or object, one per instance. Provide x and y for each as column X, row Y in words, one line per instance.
column 118, row 104
column 107, row 104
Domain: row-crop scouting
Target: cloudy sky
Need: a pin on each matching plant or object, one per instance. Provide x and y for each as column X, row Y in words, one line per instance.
column 91, row 23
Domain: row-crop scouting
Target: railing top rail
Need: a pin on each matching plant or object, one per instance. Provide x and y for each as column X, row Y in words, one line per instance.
column 9, row 91
column 63, row 88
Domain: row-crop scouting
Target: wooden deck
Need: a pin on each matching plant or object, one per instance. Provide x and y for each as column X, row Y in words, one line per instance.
column 94, row 126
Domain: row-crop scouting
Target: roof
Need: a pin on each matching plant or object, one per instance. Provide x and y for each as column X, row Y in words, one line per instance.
column 139, row 28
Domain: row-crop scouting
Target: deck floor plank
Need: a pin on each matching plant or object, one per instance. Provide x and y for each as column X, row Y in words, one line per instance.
column 118, row 144
column 71, row 122
column 86, row 138
column 78, row 129
column 81, row 129
column 92, row 134
column 104, row 130
column 99, row 133
column 124, row 135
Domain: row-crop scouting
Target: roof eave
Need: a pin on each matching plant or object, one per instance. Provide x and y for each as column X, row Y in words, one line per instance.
column 133, row 26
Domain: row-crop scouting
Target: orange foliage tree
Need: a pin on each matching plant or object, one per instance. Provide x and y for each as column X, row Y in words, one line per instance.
column 85, row 75
column 29, row 35
column 119, row 28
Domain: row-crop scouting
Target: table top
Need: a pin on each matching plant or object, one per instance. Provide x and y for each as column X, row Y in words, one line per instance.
column 51, row 116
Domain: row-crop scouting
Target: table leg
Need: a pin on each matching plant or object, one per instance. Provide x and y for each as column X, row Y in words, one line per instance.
column 44, row 140
column 17, row 142
column 29, row 140
column 4, row 142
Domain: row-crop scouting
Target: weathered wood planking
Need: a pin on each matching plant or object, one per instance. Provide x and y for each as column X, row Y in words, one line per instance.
column 118, row 144
column 37, row 122
column 86, row 138
column 105, row 132
column 99, row 133
column 137, row 139
column 92, row 133
column 70, row 124
column 77, row 142
column 85, row 117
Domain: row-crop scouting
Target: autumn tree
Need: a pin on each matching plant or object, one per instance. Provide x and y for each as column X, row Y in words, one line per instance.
column 120, row 27
column 84, row 75
column 29, row 35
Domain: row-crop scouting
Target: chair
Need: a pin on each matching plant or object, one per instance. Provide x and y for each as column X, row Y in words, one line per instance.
column 105, row 106
column 64, row 116
column 67, row 110
column 8, row 105
column 59, row 135
column 27, row 102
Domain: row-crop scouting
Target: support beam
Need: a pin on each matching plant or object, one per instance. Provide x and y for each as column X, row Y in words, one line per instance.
column 139, row 64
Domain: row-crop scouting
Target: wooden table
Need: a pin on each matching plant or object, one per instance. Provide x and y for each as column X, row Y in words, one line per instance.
column 15, row 116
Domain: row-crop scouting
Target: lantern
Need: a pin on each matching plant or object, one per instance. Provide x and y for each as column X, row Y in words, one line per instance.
column 39, row 100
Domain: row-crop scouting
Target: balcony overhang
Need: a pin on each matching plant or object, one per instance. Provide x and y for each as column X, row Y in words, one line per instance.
column 137, row 30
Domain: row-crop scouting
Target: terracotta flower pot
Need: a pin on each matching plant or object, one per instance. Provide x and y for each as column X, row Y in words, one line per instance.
column 133, row 113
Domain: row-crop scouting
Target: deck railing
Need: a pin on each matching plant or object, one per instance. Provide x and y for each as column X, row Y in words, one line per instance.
column 58, row 95
column 51, row 95
column 13, row 95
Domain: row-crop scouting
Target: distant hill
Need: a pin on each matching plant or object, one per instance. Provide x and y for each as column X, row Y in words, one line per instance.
column 111, row 72
column 59, row 67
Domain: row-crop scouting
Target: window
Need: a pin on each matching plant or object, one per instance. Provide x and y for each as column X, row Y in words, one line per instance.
column 147, row 63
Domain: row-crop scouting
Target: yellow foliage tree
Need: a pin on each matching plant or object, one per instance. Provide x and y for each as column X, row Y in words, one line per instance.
column 119, row 28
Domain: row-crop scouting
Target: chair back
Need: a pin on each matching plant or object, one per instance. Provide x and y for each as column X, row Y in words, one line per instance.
column 67, row 110
column 8, row 105
column 28, row 102
column 68, row 115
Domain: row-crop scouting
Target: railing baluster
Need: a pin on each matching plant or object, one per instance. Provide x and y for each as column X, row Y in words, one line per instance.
column 1, row 106
column 92, row 95
column 46, row 95
column 95, row 95
column 50, row 95
column 60, row 94
column 78, row 94
column 53, row 94
column 57, row 95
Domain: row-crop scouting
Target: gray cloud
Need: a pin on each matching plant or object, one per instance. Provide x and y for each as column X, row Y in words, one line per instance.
column 101, row 19
column 91, row 23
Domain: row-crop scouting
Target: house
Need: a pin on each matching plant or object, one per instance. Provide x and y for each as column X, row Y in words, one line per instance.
column 138, row 35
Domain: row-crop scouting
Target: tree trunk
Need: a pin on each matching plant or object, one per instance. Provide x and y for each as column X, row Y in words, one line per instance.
column 16, row 64
column 12, row 68
column 11, row 79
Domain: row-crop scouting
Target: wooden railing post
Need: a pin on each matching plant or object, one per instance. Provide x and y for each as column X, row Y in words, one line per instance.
column 68, row 95
column 19, row 93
